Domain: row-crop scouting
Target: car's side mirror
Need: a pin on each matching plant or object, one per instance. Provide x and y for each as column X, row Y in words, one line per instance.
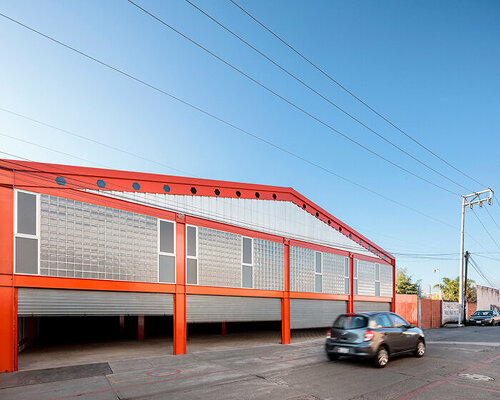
column 409, row 326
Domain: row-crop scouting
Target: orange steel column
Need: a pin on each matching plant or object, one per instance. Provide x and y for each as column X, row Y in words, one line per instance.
column 350, row 302
column 180, row 326
column 140, row 327
column 8, row 293
column 393, row 303
column 285, row 301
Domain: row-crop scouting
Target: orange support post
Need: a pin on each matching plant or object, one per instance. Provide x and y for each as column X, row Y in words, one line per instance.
column 180, row 325
column 285, row 301
column 350, row 302
column 140, row 327
column 8, row 293
column 393, row 303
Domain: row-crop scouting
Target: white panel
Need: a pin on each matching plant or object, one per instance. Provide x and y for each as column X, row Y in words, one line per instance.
column 200, row 308
column 366, row 278
column 282, row 218
column 315, row 313
column 55, row 302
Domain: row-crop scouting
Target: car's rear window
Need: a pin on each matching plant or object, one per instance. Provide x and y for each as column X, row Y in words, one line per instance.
column 483, row 313
column 350, row 322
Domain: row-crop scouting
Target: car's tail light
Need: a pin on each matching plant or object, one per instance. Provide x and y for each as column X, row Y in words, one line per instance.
column 368, row 335
column 329, row 334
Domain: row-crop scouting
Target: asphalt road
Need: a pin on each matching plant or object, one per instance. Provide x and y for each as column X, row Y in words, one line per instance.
column 460, row 363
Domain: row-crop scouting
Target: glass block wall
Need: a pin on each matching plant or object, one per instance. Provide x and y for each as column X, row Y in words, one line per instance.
column 219, row 258
column 366, row 278
column 334, row 274
column 268, row 264
column 82, row 240
column 302, row 269
column 220, row 261
column 386, row 280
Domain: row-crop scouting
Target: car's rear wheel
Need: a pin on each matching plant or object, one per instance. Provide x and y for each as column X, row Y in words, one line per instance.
column 332, row 357
column 420, row 350
column 381, row 358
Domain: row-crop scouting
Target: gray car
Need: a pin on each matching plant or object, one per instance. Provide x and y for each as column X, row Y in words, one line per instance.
column 373, row 335
column 485, row 317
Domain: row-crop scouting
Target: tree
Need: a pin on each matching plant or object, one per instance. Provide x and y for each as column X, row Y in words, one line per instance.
column 404, row 284
column 449, row 289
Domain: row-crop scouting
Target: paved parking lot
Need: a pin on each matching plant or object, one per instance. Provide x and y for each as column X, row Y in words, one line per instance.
column 460, row 363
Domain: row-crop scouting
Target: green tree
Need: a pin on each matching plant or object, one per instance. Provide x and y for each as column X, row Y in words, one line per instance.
column 405, row 284
column 449, row 289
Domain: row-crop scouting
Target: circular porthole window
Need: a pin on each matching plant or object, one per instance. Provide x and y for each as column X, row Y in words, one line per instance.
column 136, row 186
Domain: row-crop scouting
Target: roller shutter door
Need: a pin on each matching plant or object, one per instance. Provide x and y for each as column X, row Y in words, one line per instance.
column 365, row 306
column 200, row 308
column 315, row 313
column 57, row 302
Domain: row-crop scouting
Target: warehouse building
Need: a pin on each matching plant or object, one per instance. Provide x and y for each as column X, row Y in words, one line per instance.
column 78, row 241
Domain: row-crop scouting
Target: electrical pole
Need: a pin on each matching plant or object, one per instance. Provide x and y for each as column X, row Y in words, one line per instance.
column 468, row 200
column 465, row 284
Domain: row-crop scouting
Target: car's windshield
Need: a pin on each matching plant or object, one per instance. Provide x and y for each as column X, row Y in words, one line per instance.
column 350, row 322
column 483, row 313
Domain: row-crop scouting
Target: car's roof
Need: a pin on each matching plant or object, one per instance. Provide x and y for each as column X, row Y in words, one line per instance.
column 484, row 310
column 368, row 313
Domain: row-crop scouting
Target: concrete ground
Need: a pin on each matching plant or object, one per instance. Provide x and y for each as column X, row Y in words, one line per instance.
column 460, row 363
column 114, row 350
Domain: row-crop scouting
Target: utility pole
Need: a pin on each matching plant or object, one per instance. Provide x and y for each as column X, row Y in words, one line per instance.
column 468, row 200
column 439, row 282
column 465, row 284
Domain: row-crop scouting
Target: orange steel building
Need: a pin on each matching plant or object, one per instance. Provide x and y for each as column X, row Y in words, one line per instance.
column 78, row 241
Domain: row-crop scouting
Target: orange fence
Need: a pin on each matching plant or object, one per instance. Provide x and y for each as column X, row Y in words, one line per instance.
column 407, row 307
column 430, row 313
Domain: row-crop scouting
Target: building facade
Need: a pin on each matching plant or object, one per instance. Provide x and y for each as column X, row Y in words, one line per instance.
column 83, row 241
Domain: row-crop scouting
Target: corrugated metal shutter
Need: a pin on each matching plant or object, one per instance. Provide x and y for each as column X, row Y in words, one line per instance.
column 200, row 308
column 58, row 302
column 365, row 306
column 315, row 313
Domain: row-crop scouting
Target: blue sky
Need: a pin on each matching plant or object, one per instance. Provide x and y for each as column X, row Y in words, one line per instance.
column 431, row 67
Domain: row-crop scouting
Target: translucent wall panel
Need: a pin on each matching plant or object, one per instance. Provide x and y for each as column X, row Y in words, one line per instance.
column 333, row 273
column 366, row 278
column 219, row 258
column 386, row 280
column 26, row 255
column 87, row 241
column 302, row 267
column 268, row 265
column 26, row 213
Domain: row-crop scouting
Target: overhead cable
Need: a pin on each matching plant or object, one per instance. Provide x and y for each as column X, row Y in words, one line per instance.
column 322, row 71
column 325, row 98
column 289, row 102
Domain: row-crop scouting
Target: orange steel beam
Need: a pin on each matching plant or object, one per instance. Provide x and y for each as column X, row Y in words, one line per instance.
column 350, row 302
column 8, row 293
column 285, row 301
column 180, row 324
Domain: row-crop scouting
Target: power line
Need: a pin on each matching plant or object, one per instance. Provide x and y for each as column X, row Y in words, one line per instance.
column 489, row 258
column 223, row 121
column 289, row 102
column 479, row 271
column 487, row 231
column 323, row 97
column 80, row 136
column 352, row 94
column 491, row 216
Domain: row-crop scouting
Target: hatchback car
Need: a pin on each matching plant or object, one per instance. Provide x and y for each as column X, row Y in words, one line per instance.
column 373, row 335
column 485, row 317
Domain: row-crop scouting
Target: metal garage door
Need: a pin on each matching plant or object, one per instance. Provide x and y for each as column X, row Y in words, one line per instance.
column 55, row 302
column 364, row 306
column 201, row 308
column 314, row 313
